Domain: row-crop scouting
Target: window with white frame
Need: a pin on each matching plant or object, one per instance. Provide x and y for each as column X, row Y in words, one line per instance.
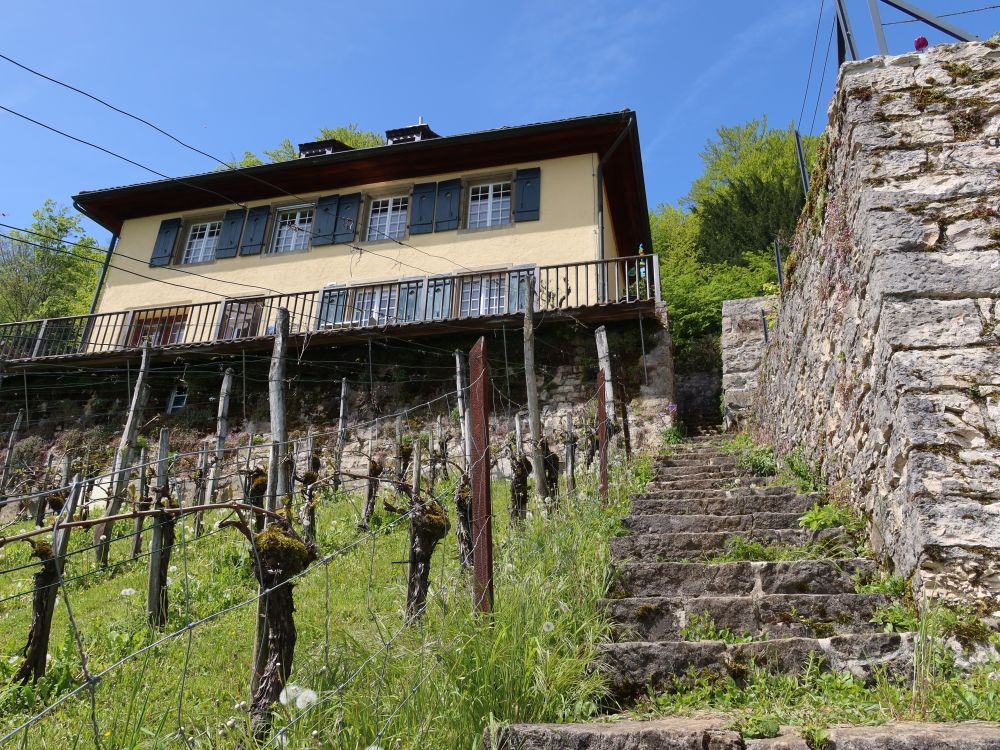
column 201, row 242
column 387, row 218
column 292, row 230
column 489, row 205
column 178, row 399
column 483, row 295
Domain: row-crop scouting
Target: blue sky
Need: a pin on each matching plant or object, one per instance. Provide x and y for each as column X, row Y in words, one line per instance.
column 235, row 76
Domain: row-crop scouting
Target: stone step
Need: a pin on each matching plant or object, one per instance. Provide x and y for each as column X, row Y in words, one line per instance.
column 679, row 461
column 721, row 477
column 668, row 523
column 696, row 471
column 632, row 667
column 740, row 578
column 691, row 494
column 724, row 505
column 661, row 734
column 715, row 734
column 698, row 546
column 659, row 618
column 711, row 483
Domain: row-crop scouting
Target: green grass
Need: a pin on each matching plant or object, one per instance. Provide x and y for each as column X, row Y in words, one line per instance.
column 739, row 549
column 435, row 684
column 703, row 628
column 792, row 469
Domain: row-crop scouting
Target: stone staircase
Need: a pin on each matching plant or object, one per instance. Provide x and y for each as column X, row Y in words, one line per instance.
column 782, row 614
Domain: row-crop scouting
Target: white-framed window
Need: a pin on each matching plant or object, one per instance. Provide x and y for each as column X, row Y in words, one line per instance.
column 489, row 205
column 202, row 240
column 375, row 305
column 387, row 218
column 483, row 295
column 292, row 229
column 178, row 399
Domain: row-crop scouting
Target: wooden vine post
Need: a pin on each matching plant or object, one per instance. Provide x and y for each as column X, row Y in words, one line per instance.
column 8, row 463
column 123, row 460
column 570, row 457
column 461, row 396
column 161, row 540
column 338, row 456
column 602, row 437
column 604, row 363
column 277, row 474
column 46, row 587
column 482, row 505
column 221, row 433
column 200, row 488
column 142, row 502
column 622, row 397
column 309, row 477
column 531, row 382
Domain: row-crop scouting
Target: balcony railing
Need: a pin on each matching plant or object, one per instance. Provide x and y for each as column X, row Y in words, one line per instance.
column 408, row 301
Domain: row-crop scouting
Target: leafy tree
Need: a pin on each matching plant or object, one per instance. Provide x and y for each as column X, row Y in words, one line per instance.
column 44, row 276
column 716, row 244
column 349, row 134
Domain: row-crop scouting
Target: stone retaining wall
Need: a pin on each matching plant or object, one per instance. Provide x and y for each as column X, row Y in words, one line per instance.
column 743, row 342
column 885, row 361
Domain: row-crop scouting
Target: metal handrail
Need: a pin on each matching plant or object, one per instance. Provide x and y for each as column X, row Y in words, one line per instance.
column 445, row 297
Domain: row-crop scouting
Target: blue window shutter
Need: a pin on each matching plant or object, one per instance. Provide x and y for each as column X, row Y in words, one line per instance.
column 325, row 223
column 253, row 235
column 527, row 194
column 166, row 240
column 229, row 237
column 422, row 208
column 449, row 205
column 347, row 218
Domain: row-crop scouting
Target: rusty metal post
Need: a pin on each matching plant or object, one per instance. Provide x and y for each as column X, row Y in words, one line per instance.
column 602, row 436
column 482, row 505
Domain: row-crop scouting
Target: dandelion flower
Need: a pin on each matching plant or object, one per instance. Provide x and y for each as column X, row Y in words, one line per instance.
column 128, row 592
column 172, row 569
column 548, row 627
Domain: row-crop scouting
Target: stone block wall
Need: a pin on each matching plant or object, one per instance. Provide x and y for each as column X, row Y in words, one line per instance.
column 743, row 343
column 885, row 360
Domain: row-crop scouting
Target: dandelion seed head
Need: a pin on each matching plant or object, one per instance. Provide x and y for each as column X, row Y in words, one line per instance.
column 305, row 699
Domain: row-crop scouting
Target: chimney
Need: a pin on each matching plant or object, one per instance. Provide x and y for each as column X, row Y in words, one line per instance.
column 321, row 148
column 419, row 132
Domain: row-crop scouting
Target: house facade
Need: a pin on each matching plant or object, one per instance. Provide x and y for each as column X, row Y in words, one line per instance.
column 423, row 231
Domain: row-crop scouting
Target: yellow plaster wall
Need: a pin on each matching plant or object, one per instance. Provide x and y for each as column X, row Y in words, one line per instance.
column 566, row 232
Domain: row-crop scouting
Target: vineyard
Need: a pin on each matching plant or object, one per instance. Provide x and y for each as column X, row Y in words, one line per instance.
column 257, row 593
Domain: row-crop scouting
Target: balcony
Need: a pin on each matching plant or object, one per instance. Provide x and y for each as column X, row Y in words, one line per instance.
column 588, row 290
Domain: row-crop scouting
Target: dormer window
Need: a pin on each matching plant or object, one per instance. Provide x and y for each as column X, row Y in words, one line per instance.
column 387, row 218
column 489, row 205
column 292, row 230
column 201, row 242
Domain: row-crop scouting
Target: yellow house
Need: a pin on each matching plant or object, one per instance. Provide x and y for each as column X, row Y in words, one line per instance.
column 422, row 231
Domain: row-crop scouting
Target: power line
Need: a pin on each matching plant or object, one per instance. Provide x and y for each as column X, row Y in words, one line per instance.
column 812, row 60
column 119, row 156
column 822, row 80
column 178, row 269
column 146, row 122
column 192, row 148
column 944, row 15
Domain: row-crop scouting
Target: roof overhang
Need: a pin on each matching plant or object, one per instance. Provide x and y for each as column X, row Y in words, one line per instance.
column 594, row 134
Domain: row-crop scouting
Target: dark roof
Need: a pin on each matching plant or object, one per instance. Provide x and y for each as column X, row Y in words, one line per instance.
column 547, row 140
